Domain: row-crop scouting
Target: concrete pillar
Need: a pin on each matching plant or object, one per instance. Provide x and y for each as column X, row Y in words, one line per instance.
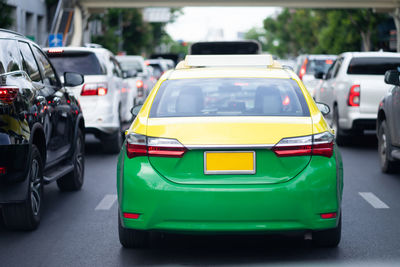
column 396, row 18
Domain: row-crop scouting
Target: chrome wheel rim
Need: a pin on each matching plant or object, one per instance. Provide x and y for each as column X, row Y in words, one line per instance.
column 35, row 186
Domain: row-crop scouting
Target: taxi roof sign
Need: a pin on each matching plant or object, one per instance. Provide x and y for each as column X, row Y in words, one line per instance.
column 228, row 60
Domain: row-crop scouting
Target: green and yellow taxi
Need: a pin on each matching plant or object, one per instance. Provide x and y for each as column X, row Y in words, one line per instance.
column 230, row 144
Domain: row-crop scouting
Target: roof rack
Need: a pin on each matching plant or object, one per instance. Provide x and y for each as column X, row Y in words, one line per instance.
column 196, row 61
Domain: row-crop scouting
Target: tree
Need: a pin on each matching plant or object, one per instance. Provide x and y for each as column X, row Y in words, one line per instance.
column 5, row 15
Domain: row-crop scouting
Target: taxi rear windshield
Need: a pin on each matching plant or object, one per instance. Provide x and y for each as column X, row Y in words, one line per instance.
column 229, row 97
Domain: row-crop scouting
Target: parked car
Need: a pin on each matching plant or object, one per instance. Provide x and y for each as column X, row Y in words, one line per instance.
column 308, row 65
column 388, row 125
column 159, row 66
column 103, row 103
column 41, row 131
column 234, row 149
column 353, row 88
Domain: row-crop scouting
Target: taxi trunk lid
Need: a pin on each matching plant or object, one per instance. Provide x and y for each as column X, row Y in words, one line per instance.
column 226, row 142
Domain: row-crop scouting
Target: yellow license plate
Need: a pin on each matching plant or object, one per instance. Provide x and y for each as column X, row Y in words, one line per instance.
column 229, row 162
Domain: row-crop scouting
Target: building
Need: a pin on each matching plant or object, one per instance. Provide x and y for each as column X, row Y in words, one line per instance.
column 30, row 19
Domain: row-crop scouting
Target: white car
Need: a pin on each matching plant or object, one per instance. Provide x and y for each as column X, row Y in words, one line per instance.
column 103, row 105
column 353, row 87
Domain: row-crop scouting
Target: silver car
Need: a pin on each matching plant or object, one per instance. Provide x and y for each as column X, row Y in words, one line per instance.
column 103, row 105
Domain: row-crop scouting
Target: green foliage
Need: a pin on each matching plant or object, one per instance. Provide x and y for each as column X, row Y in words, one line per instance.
column 298, row 31
column 138, row 36
column 5, row 15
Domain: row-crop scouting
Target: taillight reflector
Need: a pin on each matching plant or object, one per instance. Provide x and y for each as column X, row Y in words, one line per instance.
column 330, row 215
column 99, row 89
column 140, row 145
column 317, row 145
column 3, row 170
column 8, row 94
column 131, row 215
column 354, row 96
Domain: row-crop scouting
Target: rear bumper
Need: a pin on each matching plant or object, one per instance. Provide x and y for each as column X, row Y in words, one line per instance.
column 14, row 183
column 352, row 119
column 295, row 205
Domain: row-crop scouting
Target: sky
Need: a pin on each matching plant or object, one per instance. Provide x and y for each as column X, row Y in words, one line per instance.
column 199, row 22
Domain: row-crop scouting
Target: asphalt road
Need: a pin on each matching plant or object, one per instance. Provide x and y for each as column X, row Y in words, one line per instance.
column 80, row 228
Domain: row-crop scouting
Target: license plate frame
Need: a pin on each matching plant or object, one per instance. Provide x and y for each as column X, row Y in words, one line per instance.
column 230, row 171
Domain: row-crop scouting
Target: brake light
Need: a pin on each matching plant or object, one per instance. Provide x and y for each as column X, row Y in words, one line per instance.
column 141, row 145
column 303, row 69
column 99, row 89
column 354, row 96
column 55, row 51
column 8, row 94
column 317, row 145
column 131, row 215
column 3, row 170
column 139, row 84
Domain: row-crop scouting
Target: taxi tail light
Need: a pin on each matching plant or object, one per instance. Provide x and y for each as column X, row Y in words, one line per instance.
column 131, row 215
column 317, row 145
column 141, row 145
column 99, row 89
column 330, row 215
column 354, row 96
column 8, row 94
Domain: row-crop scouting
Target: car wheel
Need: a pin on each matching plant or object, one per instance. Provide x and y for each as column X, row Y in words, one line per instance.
column 385, row 148
column 26, row 215
column 112, row 143
column 74, row 180
column 328, row 238
column 340, row 138
column 130, row 238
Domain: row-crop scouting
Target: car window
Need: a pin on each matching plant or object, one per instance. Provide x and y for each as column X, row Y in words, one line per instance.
column 229, row 97
column 9, row 56
column 116, row 68
column 318, row 65
column 29, row 64
column 131, row 65
column 337, row 67
column 372, row 65
column 85, row 63
column 49, row 74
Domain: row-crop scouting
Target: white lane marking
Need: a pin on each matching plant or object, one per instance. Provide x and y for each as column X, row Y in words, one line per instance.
column 107, row 202
column 373, row 200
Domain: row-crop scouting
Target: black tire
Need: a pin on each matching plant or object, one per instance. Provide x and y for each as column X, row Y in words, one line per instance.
column 26, row 215
column 73, row 181
column 388, row 165
column 130, row 238
column 112, row 143
column 340, row 137
column 328, row 238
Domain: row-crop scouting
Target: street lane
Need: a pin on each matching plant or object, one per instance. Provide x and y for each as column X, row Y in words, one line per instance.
column 80, row 228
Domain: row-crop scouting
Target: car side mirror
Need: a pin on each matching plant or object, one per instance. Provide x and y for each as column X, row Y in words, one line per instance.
column 324, row 108
column 319, row 75
column 392, row 77
column 72, row 79
column 135, row 110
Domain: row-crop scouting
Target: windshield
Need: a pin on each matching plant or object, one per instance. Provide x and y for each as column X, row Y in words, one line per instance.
column 372, row 65
column 229, row 97
column 318, row 65
column 131, row 65
column 84, row 63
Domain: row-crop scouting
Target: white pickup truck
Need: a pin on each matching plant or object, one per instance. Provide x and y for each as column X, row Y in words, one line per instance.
column 352, row 88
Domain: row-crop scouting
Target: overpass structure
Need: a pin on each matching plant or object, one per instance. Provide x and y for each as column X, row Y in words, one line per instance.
column 83, row 8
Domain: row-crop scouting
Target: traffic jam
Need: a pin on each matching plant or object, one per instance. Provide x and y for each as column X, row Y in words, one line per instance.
column 228, row 142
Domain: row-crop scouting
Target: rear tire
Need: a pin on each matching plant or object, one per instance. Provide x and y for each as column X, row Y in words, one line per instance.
column 112, row 144
column 130, row 238
column 341, row 138
column 73, row 181
column 385, row 148
column 328, row 238
column 26, row 215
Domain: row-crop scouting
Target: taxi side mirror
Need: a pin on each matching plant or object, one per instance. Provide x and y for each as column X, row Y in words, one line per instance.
column 135, row 110
column 324, row 108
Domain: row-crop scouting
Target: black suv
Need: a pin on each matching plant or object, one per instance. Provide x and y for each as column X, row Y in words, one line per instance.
column 388, row 125
column 41, row 131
